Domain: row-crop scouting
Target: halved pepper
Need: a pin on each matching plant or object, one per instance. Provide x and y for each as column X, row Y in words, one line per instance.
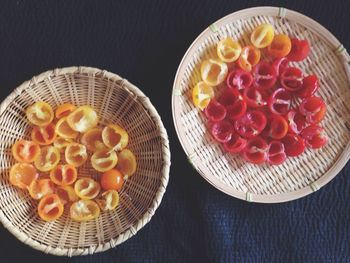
column 25, row 151
column 109, row 200
column 87, row 188
column 50, row 207
column 63, row 175
column 84, row 210
column 40, row 113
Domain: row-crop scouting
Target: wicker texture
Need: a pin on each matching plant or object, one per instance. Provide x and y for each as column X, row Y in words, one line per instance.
column 116, row 101
column 297, row 176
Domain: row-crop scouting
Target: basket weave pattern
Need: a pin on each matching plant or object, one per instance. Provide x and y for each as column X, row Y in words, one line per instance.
column 297, row 176
column 116, row 101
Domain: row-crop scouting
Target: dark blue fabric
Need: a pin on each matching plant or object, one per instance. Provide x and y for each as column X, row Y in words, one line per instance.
column 144, row 42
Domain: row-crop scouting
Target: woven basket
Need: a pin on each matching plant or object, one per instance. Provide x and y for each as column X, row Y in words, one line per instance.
column 299, row 176
column 117, row 101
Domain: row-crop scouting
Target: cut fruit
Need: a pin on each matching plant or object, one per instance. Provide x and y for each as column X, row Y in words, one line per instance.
column 276, row 154
column 294, row 145
column 104, row 160
column 280, row 64
column 239, row 79
column 256, row 151
column 126, row 163
column 40, row 114
column 313, row 108
column 315, row 136
column 235, row 104
column 64, row 130
column 300, row 50
column 309, row 87
column 222, row 131
column 66, row 194
column 87, row 188
column 213, row 71
column 61, row 143
column 215, row 111
column 41, row 187
column 280, row 46
column 236, row 144
column 228, row 50
column 48, row 158
column 278, row 127
column 76, row 154
column 92, row 139
column 255, row 98
column 25, row 151
column 22, row 175
column 64, row 175
column 50, row 207
column 201, row 95
column 296, row 121
column 109, row 200
column 251, row 124
column 84, row 210
column 64, row 110
column 115, row 137
column 264, row 76
column 262, row 36
column 292, row 79
column 237, row 110
column 44, row 135
column 280, row 101
column 82, row 119
column 229, row 96
column 250, row 56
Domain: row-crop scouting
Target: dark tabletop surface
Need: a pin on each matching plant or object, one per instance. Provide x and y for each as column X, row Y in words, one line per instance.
column 144, row 42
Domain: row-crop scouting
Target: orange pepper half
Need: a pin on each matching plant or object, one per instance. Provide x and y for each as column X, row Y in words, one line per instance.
column 280, row 46
column 109, row 200
column 25, row 151
column 41, row 187
column 126, row 162
column 250, row 56
column 63, row 175
column 87, row 188
column 82, row 119
column 40, row 114
column 64, row 110
column 50, row 207
column 64, row 130
column 104, row 160
column 92, row 139
column 22, row 175
column 44, row 135
column 61, row 143
column 114, row 136
column 48, row 158
column 76, row 154
column 262, row 35
column 84, row 210
column 66, row 194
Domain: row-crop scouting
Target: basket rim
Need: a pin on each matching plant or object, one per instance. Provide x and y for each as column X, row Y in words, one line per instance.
column 132, row 230
column 313, row 26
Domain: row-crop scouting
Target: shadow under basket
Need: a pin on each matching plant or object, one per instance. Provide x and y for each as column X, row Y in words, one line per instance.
column 116, row 101
column 298, row 176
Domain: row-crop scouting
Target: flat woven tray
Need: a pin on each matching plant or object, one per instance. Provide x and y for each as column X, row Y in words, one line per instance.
column 115, row 100
column 299, row 176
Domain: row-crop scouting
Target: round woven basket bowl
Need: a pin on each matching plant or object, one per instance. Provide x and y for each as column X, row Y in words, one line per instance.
column 116, row 101
column 299, row 176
